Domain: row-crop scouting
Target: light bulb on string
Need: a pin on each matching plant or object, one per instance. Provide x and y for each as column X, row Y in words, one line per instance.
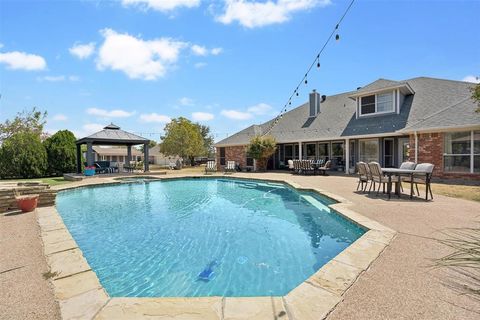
column 306, row 81
column 337, row 37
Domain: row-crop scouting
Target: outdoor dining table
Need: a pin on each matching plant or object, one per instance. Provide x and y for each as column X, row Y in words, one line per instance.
column 389, row 172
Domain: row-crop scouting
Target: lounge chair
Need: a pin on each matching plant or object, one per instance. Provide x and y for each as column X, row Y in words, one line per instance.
column 211, row 167
column 230, row 167
column 323, row 170
column 421, row 178
column 363, row 175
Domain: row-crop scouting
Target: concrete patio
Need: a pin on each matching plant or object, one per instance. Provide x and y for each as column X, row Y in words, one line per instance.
column 400, row 284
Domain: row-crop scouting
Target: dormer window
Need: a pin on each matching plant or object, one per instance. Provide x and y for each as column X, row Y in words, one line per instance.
column 377, row 103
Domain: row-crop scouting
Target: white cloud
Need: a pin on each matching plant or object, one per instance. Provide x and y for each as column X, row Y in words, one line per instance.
column 253, row 14
column 90, row 128
column 162, row 5
column 216, row 51
column 51, row 78
column 260, row 109
column 202, row 116
column 236, row 115
column 109, row 114
column 59, row 117
column 200, row 65
column 472, row 79
column 23, row 61
column 58, row 78
column 155, row 117
column 82, row 51
column 186, row 102
column 203, row 51
column 1, row 45
column 139, row 59
column 199, row 50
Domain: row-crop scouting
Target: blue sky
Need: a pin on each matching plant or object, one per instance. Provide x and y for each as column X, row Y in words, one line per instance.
column 227, row 64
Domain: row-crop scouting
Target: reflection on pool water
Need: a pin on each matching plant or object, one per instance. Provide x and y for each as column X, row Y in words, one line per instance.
column 203, row 237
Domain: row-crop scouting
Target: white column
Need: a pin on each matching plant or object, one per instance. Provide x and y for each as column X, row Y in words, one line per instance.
column 347, row 156
column 300, row 150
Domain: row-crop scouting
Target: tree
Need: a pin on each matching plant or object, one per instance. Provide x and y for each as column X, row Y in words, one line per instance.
column 476, row 95
column 25, row 121
column 261, row 148
column 151, row 144
column 23, row 155
column 61, row 152
column 207, row 139
column 183, row 138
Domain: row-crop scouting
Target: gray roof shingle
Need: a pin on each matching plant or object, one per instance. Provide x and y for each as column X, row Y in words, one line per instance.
column 436, row 103
column 114, row 135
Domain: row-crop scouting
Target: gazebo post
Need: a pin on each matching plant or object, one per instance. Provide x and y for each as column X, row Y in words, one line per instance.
column 89, row 154
column 79, row 158
column 129, row 154
column 145, row 157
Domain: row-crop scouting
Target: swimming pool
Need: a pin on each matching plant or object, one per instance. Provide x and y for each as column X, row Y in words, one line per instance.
column 203, row 237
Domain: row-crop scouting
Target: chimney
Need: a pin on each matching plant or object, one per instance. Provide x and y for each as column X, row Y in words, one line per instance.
column 314, row 104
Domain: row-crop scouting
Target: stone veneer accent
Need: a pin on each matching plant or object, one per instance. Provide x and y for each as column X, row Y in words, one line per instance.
column 81, row 296
column 430, row 149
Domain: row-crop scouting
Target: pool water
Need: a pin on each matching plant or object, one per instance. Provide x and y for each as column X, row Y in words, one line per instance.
column 203, row 237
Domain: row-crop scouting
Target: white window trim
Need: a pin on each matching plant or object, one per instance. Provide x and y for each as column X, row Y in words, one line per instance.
column 472, row 154
column 394, row 105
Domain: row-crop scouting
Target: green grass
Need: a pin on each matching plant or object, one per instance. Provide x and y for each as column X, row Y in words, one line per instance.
column 53, row 181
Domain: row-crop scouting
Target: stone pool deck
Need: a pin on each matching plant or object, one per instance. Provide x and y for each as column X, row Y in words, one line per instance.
column 399, row 284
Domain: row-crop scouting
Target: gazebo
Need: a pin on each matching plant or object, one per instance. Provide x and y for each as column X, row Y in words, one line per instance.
column 111, row 135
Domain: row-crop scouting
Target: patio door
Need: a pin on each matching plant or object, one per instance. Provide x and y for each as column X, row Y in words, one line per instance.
column 403, row 149
column 388, row 161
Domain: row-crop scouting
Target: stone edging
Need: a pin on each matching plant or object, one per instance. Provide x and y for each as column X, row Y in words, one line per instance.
column 81, row 296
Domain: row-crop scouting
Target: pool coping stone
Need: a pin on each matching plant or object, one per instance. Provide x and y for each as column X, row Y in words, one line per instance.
column 81, row 295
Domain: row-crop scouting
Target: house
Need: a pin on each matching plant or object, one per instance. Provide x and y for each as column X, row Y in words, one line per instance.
column 420, row 119
column 117, row 154
column 158, row 158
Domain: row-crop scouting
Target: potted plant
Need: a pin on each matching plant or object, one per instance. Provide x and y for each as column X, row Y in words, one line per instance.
column 27, row 202
column 89, row 171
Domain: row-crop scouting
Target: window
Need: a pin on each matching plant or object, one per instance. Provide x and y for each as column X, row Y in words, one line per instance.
column 368, row 150
column 338, row 154
column 222, row 156
column 368, row 104
column 311, row 151
column 288, row 152
column 377, row 103
column 323, row 153
column 462, row 151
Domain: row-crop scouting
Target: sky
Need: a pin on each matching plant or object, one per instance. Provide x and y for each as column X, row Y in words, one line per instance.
column 226, row 63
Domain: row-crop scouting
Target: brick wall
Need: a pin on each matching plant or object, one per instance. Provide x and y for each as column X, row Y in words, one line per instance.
column 235, row 153
column 430, row 149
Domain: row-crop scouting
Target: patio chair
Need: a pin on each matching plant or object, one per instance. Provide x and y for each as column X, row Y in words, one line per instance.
column 377, row 176
column 290, row 165
column 211, row 167
column 421, row 178
column 307, row 166
column 363, row 175
column 296, row 166
column 325, row 168
column 408, row 165
column 230, row 167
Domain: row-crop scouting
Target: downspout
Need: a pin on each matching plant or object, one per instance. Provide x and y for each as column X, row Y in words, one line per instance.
column 416, row 147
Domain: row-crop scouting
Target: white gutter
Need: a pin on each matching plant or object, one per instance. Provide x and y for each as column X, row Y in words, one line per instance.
column 416, row 147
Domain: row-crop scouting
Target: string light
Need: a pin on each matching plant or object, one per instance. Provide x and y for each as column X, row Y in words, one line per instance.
column 315, row 61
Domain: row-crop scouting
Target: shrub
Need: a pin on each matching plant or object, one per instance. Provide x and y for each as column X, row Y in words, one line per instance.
column 22, row 155
column 61, row 153
column 260, row 149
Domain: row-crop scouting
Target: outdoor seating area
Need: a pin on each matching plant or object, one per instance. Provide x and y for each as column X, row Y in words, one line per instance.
column 408, row 172
column 309, row 166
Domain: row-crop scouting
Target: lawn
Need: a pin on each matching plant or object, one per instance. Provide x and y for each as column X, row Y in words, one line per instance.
column 53, row 181
column 462, row 191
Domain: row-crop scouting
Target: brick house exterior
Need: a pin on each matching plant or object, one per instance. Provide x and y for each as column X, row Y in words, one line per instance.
column 423, row 120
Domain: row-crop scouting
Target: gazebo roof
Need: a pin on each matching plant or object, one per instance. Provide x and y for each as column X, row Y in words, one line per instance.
column 113, row 135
